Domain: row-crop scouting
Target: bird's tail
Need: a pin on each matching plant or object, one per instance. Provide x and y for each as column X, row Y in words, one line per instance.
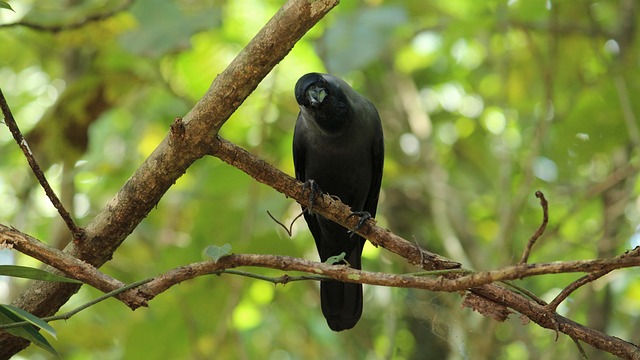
column 341, row 304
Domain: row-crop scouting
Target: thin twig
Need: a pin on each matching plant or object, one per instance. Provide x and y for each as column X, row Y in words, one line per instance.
column 76, row 232
column 538, row 233
column 553, row 305
column 583, row 354
column 284, row 279
column 590, row 277
column 70, row 313
column 289, row 229
column 72, row 26
column 524, row 291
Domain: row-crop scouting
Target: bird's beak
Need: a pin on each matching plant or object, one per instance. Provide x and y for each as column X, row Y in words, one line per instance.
column 316, row 94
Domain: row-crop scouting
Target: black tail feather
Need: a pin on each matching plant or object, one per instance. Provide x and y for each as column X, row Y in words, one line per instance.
column 341, row 304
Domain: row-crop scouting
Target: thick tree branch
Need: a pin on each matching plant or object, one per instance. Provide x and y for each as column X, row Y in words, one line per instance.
column 171, row 159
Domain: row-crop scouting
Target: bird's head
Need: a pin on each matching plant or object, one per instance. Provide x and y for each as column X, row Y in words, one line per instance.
column 311, row 90
column 315, row 94
column 324, row 99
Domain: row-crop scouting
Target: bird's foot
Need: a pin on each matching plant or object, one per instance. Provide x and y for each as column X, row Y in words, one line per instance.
column 314, row 192
column 364, row 216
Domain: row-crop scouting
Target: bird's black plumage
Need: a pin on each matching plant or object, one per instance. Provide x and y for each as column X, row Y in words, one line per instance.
column 338, row 143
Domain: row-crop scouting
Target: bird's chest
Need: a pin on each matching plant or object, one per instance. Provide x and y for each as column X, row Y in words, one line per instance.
column 340, row 168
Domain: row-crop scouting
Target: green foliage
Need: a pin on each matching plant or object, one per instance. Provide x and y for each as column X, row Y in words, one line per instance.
column 10, row 314
column 217, row 252
column 33, row 273
column 483, row 103
column 5, row 5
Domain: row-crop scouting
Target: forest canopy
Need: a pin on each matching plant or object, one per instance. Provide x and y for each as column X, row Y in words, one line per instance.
column 482, row 103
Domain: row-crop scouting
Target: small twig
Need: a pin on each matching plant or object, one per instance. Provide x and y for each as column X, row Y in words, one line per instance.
column 283, row 279
column 525, row 292
column 553, row 305
column 72, row 26
column 289, row 229
column 69, row 314
column 583, row 354
column 77, row 232
column 538, row 233
column 590, row 277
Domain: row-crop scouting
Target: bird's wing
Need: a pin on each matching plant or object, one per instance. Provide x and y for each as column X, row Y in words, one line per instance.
column 299, row 151
column 377, row 154
column 299, row 163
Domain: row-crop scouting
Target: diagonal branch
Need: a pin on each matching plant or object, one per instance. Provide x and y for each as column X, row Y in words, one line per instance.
column 327, row 206
column 170, row 160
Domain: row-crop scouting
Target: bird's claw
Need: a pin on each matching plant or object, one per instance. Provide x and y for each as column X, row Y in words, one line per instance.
column 364, row 216
column 314, row 192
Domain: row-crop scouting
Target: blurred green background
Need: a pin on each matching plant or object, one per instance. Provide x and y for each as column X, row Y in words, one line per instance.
column 482, row 102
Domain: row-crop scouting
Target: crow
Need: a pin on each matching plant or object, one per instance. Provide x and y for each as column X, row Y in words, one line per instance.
column 338, row 147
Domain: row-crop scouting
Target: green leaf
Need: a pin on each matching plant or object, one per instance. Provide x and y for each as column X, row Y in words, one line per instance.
column 336, row 259
column 34, row 320
column 5, row 5
column 27, row 332
column 217, row 252
column 33, row 273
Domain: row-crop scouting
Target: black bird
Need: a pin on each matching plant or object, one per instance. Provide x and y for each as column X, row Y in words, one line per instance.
column 338, row 146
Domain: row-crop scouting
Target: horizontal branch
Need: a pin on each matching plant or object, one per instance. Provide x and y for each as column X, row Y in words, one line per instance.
column 446, row 280
column 464, row 280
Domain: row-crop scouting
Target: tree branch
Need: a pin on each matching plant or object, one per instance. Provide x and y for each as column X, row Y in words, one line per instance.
column 436, row 282
column 540, row 231
column 67, row 264
column 327, row 206
column 449, row 280
column 170, row 160
column 338, row 212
